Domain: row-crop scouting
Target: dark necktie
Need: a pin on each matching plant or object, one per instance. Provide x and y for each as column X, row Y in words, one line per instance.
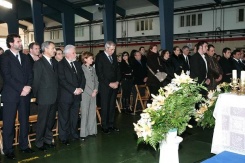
column 73, row 68
column 187, row 61
column 110, row 58
column 241, row 64
column 51, row 63
column 17, row 56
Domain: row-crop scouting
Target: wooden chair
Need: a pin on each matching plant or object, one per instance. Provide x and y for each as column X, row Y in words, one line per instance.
column 55, row 129
column 17, row 127
column 1, row 138
column 33, row 119
column 119, row 101
column 98, row 115
column 142, row 98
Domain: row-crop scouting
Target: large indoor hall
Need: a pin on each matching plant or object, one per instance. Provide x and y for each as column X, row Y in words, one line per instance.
column 122, row 81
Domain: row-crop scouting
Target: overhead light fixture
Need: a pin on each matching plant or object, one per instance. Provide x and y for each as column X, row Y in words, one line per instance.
column 6, row 4
column 97, row 4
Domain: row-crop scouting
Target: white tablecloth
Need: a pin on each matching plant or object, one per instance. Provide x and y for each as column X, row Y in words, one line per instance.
column 229, row 131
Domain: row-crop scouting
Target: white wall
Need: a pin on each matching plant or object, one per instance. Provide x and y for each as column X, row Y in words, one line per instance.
column 230, row 22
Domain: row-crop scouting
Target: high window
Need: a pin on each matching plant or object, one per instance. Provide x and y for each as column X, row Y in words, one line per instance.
column 241, row 15
column 54, row 34
column 190, row 20
column 79, row 31
column 144, row 24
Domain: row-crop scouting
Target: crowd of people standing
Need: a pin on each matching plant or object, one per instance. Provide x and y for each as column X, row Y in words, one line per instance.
column 60, row 82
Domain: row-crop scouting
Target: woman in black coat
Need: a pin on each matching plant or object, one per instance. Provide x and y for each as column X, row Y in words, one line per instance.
column 127, row 81
column 167, row 66
column 176, row 61
column 153, row 62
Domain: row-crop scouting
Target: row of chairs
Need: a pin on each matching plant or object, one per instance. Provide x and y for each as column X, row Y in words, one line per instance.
column 142, row 98
column 31, row 135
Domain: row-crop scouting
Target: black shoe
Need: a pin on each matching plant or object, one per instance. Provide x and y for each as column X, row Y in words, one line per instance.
column 82, row 138
column 65, row 142
column 42, row 148
column 106, row 131
column 27, row 150
column 52, row 145
column 114, row 129
column 10, row 156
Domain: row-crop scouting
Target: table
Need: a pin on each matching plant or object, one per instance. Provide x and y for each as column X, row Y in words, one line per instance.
column 229, row 131
column 226, row 157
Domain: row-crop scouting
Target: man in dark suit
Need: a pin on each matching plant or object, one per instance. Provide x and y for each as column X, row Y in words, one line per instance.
column 226, row 65
column 185, row 57
column 109, row 76
column 71, row 85
column 139, row 75
column 214, row 69
column 18, row 77
column 34, row 52
column 236, row 63
column 45, row 89
column 198, row 64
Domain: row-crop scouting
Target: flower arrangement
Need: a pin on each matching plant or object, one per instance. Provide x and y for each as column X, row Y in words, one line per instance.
column 204, row 116
column 172, row 108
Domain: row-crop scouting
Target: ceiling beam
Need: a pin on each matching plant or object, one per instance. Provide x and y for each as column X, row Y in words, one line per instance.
column 218, row 1
column 20, row 25
column 154, row 2
column 52, row 14
column 119, row 10
column 62, row 6
column 24, row 12
column 23, row 26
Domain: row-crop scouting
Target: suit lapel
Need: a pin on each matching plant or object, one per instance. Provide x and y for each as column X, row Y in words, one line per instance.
column 105, row 56
column 47, row 64
column 22, row 60
column 67, row 64
column 15, row 60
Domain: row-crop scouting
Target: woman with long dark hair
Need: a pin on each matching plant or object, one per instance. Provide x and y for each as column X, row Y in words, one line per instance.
column 153, row 63
column 168, row 67
column 127, row 81
column 177, row 63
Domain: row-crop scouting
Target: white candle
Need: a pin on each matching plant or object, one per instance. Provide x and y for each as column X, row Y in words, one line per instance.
column 234, row 74
column 242, row 75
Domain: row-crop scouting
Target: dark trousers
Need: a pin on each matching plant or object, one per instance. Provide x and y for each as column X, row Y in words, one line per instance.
column 68, row 118
column 9, row 114
column 108, row 103
column 127, row 85
column 45, row 124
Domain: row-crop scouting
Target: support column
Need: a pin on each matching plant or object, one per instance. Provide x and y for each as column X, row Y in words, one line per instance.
column 37, row 18
column 109, row 21
column 68, row 21
column 13, row 23
column 166, row 16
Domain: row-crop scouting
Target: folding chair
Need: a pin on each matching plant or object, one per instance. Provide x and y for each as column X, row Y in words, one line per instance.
column 33, row 119
column 119, row 101
column 17, row 126
column 98, row 115
column 143, row 98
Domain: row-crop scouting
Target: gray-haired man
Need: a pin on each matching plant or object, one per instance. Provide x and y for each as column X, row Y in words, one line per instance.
column 45, row 89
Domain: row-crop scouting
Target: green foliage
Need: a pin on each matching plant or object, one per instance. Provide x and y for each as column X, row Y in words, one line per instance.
column 177, row 110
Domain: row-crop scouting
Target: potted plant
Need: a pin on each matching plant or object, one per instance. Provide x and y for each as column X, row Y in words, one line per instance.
column 168, row 114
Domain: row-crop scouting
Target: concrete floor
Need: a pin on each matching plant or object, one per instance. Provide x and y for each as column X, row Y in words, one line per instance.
column 119, row 147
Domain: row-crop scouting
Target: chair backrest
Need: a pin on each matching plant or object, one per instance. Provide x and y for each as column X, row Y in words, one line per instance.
column 143, row 91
